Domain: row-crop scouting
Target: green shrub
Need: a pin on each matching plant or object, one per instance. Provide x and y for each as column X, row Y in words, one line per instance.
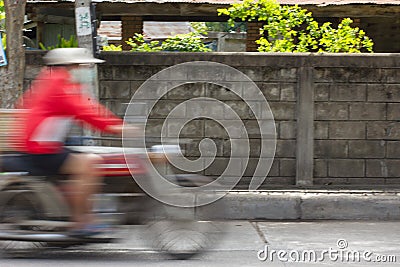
column 191, row 42
column 138, row 44
column 61, row 43
column 293, row 29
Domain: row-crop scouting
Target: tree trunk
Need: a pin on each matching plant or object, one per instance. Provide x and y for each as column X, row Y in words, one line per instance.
column 12, row 75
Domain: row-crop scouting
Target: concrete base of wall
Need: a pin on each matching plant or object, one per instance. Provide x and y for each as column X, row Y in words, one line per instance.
column 306, row 205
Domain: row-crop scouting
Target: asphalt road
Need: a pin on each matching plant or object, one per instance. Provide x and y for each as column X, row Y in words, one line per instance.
column 277, row 243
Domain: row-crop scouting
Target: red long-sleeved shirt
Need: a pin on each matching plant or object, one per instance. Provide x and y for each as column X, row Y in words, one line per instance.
column 53, row 102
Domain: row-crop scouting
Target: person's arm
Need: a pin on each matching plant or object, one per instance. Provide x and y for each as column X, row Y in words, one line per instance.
column 115, row 129
column 90, row 112
column 129, row 131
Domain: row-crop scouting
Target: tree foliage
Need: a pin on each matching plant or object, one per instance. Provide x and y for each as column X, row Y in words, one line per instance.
column 226, row 27
column 200, row 27
column 293, row 29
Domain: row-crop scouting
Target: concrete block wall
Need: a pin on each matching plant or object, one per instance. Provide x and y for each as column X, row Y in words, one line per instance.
column 279, row 86
column 335, row 115
column 356, row 117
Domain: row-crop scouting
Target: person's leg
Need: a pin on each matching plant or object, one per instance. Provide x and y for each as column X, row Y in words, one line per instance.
column 83, row 183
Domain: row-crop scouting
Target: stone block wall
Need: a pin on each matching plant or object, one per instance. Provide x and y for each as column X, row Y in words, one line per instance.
column 335, row 115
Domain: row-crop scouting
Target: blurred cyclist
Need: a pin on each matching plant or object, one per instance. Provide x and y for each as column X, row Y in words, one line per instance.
column 53, row 103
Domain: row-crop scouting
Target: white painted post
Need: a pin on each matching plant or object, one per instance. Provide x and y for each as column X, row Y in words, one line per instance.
column 85, row 29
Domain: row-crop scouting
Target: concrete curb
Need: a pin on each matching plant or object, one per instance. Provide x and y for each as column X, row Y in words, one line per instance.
column 305, row 205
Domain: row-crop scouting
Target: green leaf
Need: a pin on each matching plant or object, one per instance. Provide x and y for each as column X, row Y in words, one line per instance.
column 112, row 47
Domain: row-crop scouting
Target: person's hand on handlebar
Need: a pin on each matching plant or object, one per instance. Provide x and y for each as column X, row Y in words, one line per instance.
column 128, row 130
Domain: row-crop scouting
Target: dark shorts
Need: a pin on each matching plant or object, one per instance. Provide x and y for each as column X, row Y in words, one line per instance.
column 36, row 164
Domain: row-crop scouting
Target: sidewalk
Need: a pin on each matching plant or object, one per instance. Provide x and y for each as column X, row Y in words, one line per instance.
column 383, row 204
